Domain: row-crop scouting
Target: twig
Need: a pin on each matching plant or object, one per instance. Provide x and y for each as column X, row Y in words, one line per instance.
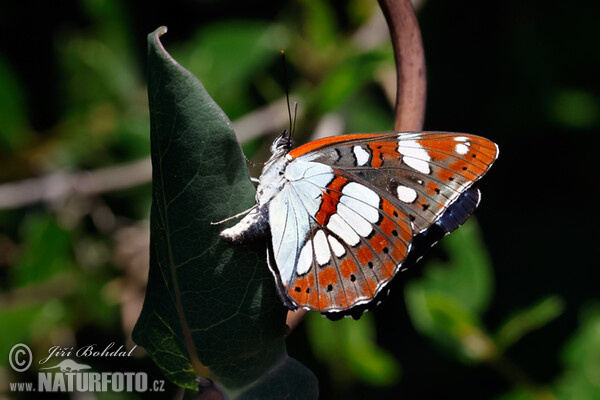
column 57, row 187
column 410, row 64
column 61, row 185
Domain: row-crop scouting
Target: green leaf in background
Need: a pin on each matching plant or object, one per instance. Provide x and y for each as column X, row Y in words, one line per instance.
column 447, row 302
column 363, row 113
column 524, row 321
column 46, row 250
column 518, row 395
column 349, row 76
column 574, row 109
column 208, row 304
column 320, row 28
column 581, row 359
column 349, row 349
column 226, row 56
column 13, row 118
column 23, row 323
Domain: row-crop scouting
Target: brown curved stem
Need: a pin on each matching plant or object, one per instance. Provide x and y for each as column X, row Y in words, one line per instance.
column 412, row 83
column 410, row 64
column 294, row 318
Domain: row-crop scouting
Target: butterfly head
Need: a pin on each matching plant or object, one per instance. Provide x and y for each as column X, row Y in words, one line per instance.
column 281, row 145
column 272, row 178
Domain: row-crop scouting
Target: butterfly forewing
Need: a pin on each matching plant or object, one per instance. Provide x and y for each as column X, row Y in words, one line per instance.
column 343, row 223
column 422, row 173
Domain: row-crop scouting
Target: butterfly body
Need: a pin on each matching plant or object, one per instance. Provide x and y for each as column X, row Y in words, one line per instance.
column 343, row 212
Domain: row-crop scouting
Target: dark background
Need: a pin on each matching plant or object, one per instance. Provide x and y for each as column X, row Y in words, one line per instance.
column 523, row 74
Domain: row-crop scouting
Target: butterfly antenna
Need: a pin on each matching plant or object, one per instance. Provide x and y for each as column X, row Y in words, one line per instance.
column 295, row 114
column 287, row 92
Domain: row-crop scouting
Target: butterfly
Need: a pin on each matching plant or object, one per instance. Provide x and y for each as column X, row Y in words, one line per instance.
column 345, row 213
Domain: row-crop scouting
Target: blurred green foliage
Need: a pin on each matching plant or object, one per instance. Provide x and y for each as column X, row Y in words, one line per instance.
column 349, row 349
column 70, row 268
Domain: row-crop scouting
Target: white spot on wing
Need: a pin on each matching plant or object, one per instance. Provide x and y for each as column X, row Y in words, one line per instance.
column 336, row 246
column 461, row 149
column 361, row 192
column 322, row 252
column 367, row 211
column 305, row 259
column 414, row 155
column 362, row 156
column 406, row 194
column 338, row 226
column 460, row 139
column 358, row 223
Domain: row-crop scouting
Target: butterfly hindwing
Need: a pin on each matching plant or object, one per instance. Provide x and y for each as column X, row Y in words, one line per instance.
column 353, row 239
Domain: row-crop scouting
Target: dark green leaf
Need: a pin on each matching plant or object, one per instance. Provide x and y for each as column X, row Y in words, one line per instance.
column 21, row 323
column 526, row 320
column 228, row 56
column 13, row 118
column 349, row 348
column 581, row 358
column 449, row 323
column 467, row 275
column 516, row 395
column 208, row 303
column 47, row 245
column 447, row 303
column 348, row 77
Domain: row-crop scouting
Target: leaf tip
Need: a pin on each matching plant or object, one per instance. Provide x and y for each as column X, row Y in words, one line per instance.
column 156, row 34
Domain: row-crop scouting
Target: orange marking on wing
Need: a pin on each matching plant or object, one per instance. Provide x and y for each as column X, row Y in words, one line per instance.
column 313, row 299
column 444, row 175
column 364, row 255
column 327, row 276
column 459, row 165
column 388, row 269
column 387, row 226
column 340, row 299
column 298, row 295
column 398, row 250
column 324, row 301
column 430, row 187
column 372, row 284
column 484, row 146
column 298, row 151
column 383, row 151
column 388, row 208
column 330, row 200
column 348, row 267
column 378, row 242
column 351, row 296
column 438, row 149
column 405, row 232
column 376, row 159
column 368, row 287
